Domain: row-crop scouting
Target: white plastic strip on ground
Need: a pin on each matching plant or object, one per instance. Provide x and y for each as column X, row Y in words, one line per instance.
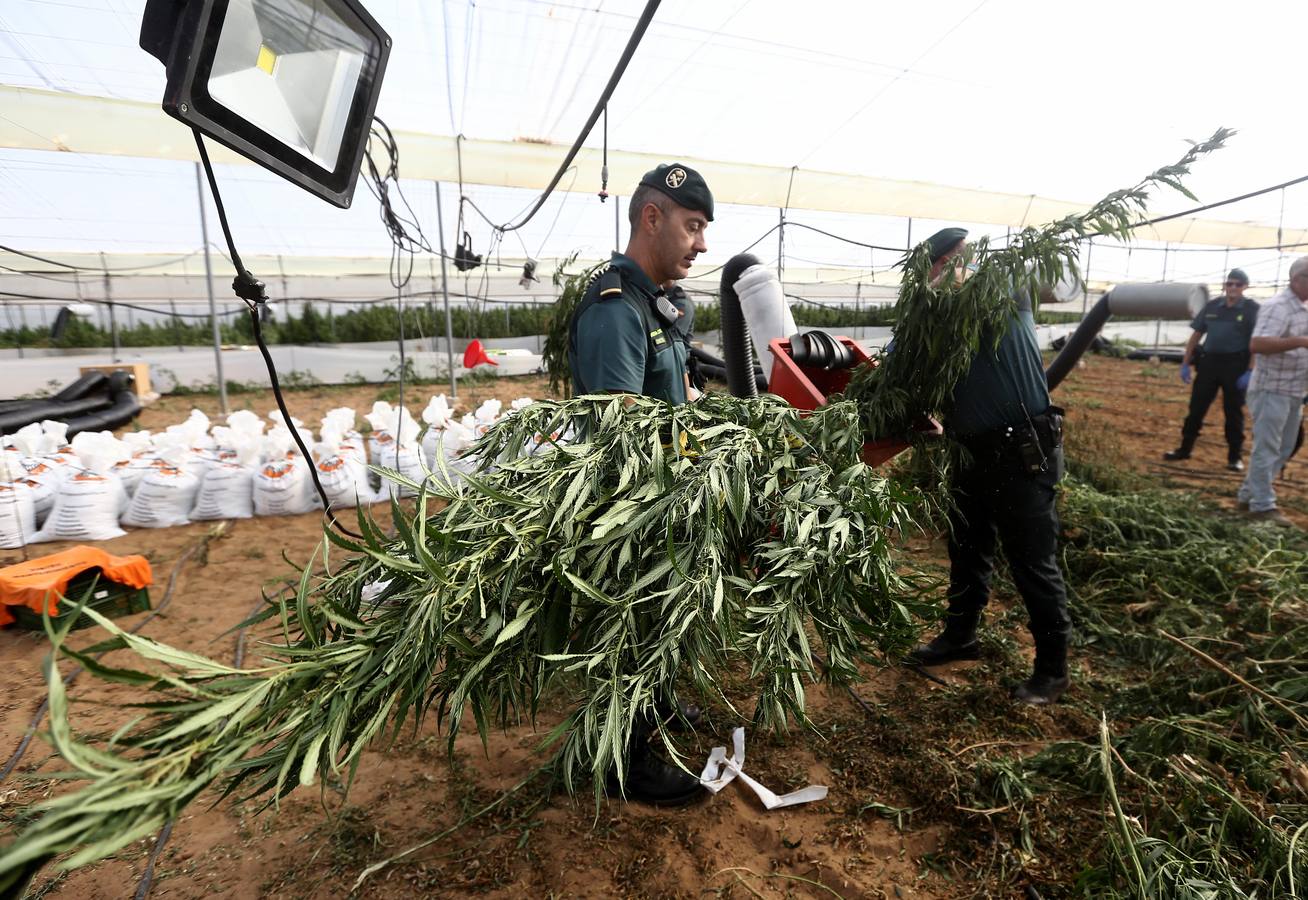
column 721, row 770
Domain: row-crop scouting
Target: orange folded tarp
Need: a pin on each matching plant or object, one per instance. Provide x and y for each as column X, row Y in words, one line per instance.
column 40, row 583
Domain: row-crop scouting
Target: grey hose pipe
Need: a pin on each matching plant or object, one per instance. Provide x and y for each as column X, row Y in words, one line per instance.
column 737, row 345
column 1162, row 300
column 1077, row 343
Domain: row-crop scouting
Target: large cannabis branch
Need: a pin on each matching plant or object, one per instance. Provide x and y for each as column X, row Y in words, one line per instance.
column 675, row 540
column 940, row 327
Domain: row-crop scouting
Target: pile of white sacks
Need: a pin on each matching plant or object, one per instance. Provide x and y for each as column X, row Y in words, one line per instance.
column 53, row 489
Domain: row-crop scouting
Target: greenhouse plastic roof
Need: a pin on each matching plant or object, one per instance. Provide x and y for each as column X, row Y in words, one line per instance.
column 1000, row 113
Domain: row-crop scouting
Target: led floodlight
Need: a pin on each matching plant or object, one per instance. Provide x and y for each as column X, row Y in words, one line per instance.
column 289, row 84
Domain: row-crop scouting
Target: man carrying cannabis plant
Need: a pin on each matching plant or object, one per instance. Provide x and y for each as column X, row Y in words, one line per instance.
column 1003, row 493
column 1223, row 362
column 622, row 339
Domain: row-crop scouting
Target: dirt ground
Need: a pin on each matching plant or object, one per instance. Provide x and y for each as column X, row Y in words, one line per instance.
column 891, row 827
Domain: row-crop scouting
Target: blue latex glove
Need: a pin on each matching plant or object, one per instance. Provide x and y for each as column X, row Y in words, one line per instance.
column 1242, row 383
column 1186, row 373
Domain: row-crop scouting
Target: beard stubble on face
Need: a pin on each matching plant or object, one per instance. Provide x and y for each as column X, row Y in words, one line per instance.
column 677, row 246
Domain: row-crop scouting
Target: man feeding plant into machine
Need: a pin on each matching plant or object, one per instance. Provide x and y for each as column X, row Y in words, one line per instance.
column 1003, row 491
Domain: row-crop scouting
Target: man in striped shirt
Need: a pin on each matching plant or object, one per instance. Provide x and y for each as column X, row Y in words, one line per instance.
column 1276, row 392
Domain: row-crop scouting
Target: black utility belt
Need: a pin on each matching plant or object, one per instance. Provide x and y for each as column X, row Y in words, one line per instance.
column 1030, row 444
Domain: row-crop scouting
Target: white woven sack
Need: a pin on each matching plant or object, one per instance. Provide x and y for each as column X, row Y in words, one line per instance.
column 227, row 492
column 86, row 508
column 17, row 516
column 164, row 498
column 282, row 488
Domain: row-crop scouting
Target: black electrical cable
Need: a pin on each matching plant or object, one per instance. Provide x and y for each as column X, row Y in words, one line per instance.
column 628, row 52
column 760, row 240
column 253, row 292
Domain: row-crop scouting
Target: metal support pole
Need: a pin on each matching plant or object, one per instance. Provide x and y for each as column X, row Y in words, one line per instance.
column 1085, row 276
column 177, row 325
column 208, row 283
column 781, row 242
column 617, row 225
column 1280, row 252
column 1158, row 328
column 431, row 301
column 910, row 233
column 445, row 292
column 1226, row 264
column 113, row 319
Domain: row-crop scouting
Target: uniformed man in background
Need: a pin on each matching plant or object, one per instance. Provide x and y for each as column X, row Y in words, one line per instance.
column 1222, row 362
column 1003, row 495
column 623, row 339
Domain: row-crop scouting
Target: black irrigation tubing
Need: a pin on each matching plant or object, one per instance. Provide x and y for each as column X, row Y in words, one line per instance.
column 95, row 300
column 147, row 877
column 96, row 269
column 849, row 688
column 1226, row 202
column 838, row 237
column 77, row 670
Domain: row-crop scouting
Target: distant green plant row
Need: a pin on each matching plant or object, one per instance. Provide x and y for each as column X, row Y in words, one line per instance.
column 381, row 323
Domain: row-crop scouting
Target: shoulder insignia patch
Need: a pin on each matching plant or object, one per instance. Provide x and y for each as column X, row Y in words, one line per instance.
column 610, row 283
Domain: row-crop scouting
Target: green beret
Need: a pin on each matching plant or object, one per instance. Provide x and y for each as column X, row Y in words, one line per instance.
column 683, row 184
column 943, row 241
column 1238, row 275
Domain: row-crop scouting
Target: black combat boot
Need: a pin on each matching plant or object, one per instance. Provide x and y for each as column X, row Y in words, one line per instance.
column 1049, row 678
column 652, row 779
column 956, row 641
column 1182, row 452
column 679, row 717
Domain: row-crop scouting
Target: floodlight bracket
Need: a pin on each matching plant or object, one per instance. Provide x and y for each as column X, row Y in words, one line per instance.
column 250, row 289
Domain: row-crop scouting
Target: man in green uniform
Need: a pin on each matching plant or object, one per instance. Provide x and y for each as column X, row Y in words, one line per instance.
column 622, row 339
column 1226, row 326
column 1004, row 495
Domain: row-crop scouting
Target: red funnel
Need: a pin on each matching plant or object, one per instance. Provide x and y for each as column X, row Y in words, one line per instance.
column 475, row 355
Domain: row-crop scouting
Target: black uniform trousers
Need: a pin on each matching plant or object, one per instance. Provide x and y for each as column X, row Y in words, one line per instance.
column 1213, row 372
column 998, row 504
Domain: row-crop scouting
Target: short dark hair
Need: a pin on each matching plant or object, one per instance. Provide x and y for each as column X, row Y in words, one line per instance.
column 645, row 194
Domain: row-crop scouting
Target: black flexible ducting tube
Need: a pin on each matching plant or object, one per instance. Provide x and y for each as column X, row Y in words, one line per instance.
column 12, row 420
column 91, row 381
column 1079, row 341
column 737, row 346
column 126, row 406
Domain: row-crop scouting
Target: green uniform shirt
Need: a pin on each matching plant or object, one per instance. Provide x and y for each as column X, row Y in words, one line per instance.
column 1002, row 380
column 618, row 342
column 1227, row 328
